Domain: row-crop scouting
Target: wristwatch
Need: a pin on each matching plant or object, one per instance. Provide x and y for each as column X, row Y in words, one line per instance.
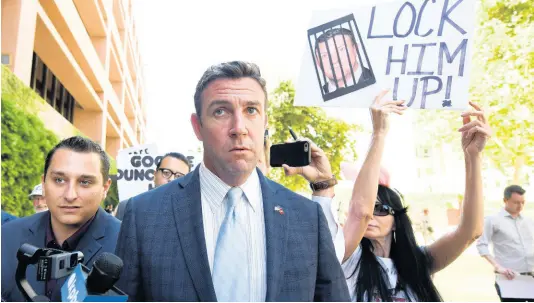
column 320, row 185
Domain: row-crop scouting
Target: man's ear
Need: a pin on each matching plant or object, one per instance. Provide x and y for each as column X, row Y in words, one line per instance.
column 106, row 187
column 197, row 125
column 42, row 185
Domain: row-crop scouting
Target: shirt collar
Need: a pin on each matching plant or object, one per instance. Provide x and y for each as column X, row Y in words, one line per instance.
column 505, row 213
column 251, row 188
column 212, row 184
column 72, row 242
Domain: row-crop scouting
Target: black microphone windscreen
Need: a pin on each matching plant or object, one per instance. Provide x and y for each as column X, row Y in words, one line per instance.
column 110, row 264
column 105, row 273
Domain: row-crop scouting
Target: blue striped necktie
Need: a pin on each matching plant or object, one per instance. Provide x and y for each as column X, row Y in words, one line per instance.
column 230, row 276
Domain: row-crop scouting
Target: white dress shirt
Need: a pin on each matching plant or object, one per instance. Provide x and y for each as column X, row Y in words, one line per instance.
column 335, row 229
column 213, row 192
column 512, row 239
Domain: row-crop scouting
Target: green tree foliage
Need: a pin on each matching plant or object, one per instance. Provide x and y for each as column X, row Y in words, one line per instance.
column 113, row 192
column 502, row 81
column 25, row 143
column 332, row 135
column 113, row 195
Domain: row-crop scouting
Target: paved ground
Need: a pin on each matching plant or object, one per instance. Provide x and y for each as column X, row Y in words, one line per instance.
column 468, row 279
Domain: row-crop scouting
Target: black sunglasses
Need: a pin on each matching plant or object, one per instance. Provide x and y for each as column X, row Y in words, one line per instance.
column 383, row 210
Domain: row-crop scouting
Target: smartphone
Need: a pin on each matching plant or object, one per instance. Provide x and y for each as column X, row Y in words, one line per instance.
column 295, row 154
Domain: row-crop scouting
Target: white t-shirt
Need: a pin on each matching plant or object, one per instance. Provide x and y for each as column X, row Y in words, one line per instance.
column 351, row 276
column 349, row 266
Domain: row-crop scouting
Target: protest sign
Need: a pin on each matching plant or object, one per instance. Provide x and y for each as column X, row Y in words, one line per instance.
column 136, row 167
column 419, row 49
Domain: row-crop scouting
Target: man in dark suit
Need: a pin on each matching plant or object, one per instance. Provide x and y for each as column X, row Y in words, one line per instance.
column 337, row 57
column 76, row 181
column 225, row 232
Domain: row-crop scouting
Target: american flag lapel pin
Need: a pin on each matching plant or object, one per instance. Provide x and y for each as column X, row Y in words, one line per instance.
column 279, row 209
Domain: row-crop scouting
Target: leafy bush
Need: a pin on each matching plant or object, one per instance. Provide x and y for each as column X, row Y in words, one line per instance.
column 25, row 143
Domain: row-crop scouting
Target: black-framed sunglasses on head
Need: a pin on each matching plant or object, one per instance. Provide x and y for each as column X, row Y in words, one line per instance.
column 167, row 173
column 383, row 210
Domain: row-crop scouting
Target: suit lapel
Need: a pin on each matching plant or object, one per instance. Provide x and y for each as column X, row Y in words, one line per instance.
column 36, row 237
column 89, row 244
column 187, row 209
column 276, row 235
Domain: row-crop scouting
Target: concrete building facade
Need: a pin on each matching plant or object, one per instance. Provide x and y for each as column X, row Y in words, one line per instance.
column 82, row 57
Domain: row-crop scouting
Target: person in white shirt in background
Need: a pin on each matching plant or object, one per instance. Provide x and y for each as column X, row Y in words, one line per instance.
column 376, row 246
column 425, row 227
column 512, row 236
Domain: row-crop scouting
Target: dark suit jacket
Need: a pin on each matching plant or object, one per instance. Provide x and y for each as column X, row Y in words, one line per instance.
column 364, row 78
column 163, row 247
column 120, row 210
column 101, row 237
column 6, row 217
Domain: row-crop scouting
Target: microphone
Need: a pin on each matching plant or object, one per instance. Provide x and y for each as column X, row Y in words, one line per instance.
column 97, row 284
column 105, row 273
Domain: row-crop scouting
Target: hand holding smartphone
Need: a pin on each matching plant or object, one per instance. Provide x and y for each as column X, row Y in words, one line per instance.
column 295, row 154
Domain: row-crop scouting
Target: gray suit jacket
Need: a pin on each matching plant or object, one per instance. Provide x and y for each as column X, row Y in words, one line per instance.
column 163, row 247
column 100, row 237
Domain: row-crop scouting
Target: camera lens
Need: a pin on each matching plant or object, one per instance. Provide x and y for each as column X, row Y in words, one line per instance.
column 305, row 147
column 73, row 260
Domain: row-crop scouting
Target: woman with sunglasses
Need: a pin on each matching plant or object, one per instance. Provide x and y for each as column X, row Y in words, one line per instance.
column 377, row 245
column 381, row 256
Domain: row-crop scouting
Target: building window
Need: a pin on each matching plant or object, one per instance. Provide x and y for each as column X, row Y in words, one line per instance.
column 47, row 85
column 6, row 59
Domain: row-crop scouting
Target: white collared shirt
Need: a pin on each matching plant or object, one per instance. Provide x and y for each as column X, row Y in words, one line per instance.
column 350, row 80
column 512, row 239
column 213, row 192
column 336, row 231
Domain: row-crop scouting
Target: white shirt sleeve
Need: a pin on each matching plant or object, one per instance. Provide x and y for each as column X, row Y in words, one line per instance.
column 484, row 240
column 333, row 225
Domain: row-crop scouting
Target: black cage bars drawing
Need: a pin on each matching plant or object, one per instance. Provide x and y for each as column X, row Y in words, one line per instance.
column 339, row 73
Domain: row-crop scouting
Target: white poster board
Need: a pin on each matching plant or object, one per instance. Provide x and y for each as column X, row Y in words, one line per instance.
column 419, row 49
column 521, row 287
column 135, row 170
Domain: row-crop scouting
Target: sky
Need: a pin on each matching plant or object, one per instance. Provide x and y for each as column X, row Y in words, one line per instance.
column 177, row 43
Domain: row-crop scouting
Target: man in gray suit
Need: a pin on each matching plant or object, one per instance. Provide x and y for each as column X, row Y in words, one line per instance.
column 225, row 232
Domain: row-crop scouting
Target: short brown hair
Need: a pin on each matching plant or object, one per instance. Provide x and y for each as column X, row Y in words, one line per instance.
column 229, row 70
